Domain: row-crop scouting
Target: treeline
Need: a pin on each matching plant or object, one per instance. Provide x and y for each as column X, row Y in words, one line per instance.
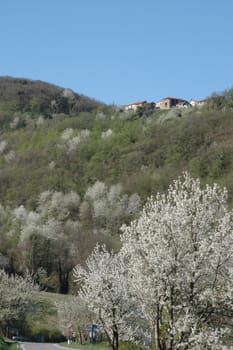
column 62, row 230
column 72, row 180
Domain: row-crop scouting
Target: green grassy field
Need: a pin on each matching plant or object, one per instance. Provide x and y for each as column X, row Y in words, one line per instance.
column 42, row 322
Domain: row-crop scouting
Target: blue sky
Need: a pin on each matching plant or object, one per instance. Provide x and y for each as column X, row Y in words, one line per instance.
column 123, row 50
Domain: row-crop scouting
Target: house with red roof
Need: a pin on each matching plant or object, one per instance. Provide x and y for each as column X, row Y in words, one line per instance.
column 133, row 106
column 170, row 102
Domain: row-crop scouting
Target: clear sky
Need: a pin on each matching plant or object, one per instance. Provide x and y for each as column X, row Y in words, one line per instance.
column 120, row 51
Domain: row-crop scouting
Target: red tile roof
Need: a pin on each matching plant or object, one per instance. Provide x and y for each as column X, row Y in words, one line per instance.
column 174, row 98
column 137, row 103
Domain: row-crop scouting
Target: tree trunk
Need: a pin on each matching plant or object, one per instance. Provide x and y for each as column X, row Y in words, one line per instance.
column 80, row 337
column 115, row 341
column 115, row 335
column 105, row 330
column 63, row 280
column 157, row 333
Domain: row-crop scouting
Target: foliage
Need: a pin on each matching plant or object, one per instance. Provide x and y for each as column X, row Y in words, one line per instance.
column 5, row 345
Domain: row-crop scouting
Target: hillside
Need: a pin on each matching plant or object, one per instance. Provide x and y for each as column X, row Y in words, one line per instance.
column 25, row 95
column 70, row 181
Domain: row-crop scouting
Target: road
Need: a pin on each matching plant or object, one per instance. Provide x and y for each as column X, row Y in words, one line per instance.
column 42, row 346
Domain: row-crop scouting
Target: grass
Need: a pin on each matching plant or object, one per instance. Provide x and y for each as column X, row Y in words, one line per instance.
column 4, row 345
column 97, row 346
column 13, row 346
column 123, row 345
column 42, row 320
column 43, row 311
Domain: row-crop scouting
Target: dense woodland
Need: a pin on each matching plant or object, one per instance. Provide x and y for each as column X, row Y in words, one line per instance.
column 73, row 170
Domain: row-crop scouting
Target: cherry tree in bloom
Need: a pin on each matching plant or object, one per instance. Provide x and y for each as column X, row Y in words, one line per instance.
column 15, row 297
column 180, row 260
column 104, row 288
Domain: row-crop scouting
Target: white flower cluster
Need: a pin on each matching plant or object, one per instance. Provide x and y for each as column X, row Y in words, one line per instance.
column 8, row 155
column 72, row 140
column 3, row 145
column 107, row 133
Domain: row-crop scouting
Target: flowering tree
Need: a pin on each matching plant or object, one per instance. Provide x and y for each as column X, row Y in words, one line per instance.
column 180, row 255
column 104, row 288
column 15, row 296
column 109, row 205
column 74, row 313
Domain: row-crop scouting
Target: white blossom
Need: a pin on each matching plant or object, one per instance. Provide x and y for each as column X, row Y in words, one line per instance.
column 84, row 134
column 180, row 254
column 40, row 120
column 52, row 165
column 73, row 143
column 107, row 133
column 72, row 140
column 15, row 122
column 98, row 190
column 10, row 156
column 16, row 293
column 30, row 226
column 20, row 212
column 67, row 133
column 3, row 145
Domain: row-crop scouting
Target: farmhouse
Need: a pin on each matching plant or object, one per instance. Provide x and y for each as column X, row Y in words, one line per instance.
column 170, row 102
column 198, row 103
column 166, row 103
column 133, row 106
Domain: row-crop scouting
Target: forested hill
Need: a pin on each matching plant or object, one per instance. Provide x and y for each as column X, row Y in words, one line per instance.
column 34, row 96
column 69, row 180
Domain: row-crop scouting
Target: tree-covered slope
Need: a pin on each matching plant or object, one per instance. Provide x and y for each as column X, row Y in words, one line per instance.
column 72, row 180
column 143, row 153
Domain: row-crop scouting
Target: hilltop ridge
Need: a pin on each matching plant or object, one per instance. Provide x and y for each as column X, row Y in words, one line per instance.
column 36, row 96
